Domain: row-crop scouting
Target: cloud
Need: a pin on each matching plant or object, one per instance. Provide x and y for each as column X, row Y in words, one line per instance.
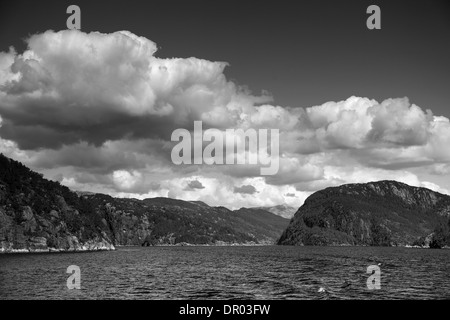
column 246, row 189
column 296, row 169
column 440, row 169
column 398, row 122
column 109, row 157
column 126, row 180
column 194, row 184
column 360, row 123
column 220, row 191
column 96, row 111
column 70, row 86
column 291, row 195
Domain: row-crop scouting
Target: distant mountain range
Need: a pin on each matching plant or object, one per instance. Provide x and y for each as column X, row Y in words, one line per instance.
column 41, row 215
column 384, row 213
column 281, row 210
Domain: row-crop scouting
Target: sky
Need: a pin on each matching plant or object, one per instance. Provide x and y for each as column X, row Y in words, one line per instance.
column 95, row 108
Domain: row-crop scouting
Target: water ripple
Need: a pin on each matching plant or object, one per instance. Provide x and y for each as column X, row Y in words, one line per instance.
column 229, row 273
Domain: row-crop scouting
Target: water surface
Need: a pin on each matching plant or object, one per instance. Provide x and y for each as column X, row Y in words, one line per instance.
column 260, row 272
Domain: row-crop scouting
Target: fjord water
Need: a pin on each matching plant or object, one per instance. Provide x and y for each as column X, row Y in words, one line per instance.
column 258, row 272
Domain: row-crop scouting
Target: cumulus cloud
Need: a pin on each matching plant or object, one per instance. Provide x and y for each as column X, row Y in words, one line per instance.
column 220, row 191
column 397, row 121
column 96, row 112
column 70, row 86
column 294, row 169
column 359, row 123
column 126, row 180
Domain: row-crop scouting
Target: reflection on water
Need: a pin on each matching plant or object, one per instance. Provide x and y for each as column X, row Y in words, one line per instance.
column 271, row 272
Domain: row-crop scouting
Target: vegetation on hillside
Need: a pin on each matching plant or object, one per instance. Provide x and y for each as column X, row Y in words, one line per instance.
column 38, row 212
column 385, row 213
column 441, row 235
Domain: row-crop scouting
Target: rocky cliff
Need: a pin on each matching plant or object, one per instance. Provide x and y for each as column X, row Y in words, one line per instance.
column 41, row 215
column 165, row 221
column 385, row 213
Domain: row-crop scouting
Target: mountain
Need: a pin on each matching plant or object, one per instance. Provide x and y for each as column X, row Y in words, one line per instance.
column 159, row 221
column 41, row 215
column 377, row 213
column 262, row 221
column 281, row 210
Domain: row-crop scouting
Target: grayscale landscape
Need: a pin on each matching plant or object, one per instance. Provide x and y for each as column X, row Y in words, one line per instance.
column 243, row 150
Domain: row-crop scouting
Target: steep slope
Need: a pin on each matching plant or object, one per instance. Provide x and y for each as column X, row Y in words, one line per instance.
column 281, row 210
column 261, row 222
column 376, row 213
column 41, row 215
column 170, row 221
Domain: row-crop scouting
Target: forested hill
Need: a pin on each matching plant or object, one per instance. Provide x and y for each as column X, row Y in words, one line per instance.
column 377, row 213
column 40, row 215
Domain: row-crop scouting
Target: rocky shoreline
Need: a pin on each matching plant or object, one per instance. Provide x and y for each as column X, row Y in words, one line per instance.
column 54, row 250
column 105, row 246
column 72, row 244
column 92, row 246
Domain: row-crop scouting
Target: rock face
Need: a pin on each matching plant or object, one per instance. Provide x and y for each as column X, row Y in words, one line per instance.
column 37, row 215
column 385, row 213
column 164, row 221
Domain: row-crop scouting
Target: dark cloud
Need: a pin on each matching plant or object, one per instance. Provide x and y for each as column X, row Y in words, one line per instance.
column 290, row 195
column 245, row 189
column 90, row 158
column 194, row 184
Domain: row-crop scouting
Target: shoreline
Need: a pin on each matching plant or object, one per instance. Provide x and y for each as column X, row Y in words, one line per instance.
column 117, row 247
column 54, row 250
column 84, row 248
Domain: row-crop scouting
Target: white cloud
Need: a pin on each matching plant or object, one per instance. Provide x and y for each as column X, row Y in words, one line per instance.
column 70, row 86
column 126, row 180
column 97, row 110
